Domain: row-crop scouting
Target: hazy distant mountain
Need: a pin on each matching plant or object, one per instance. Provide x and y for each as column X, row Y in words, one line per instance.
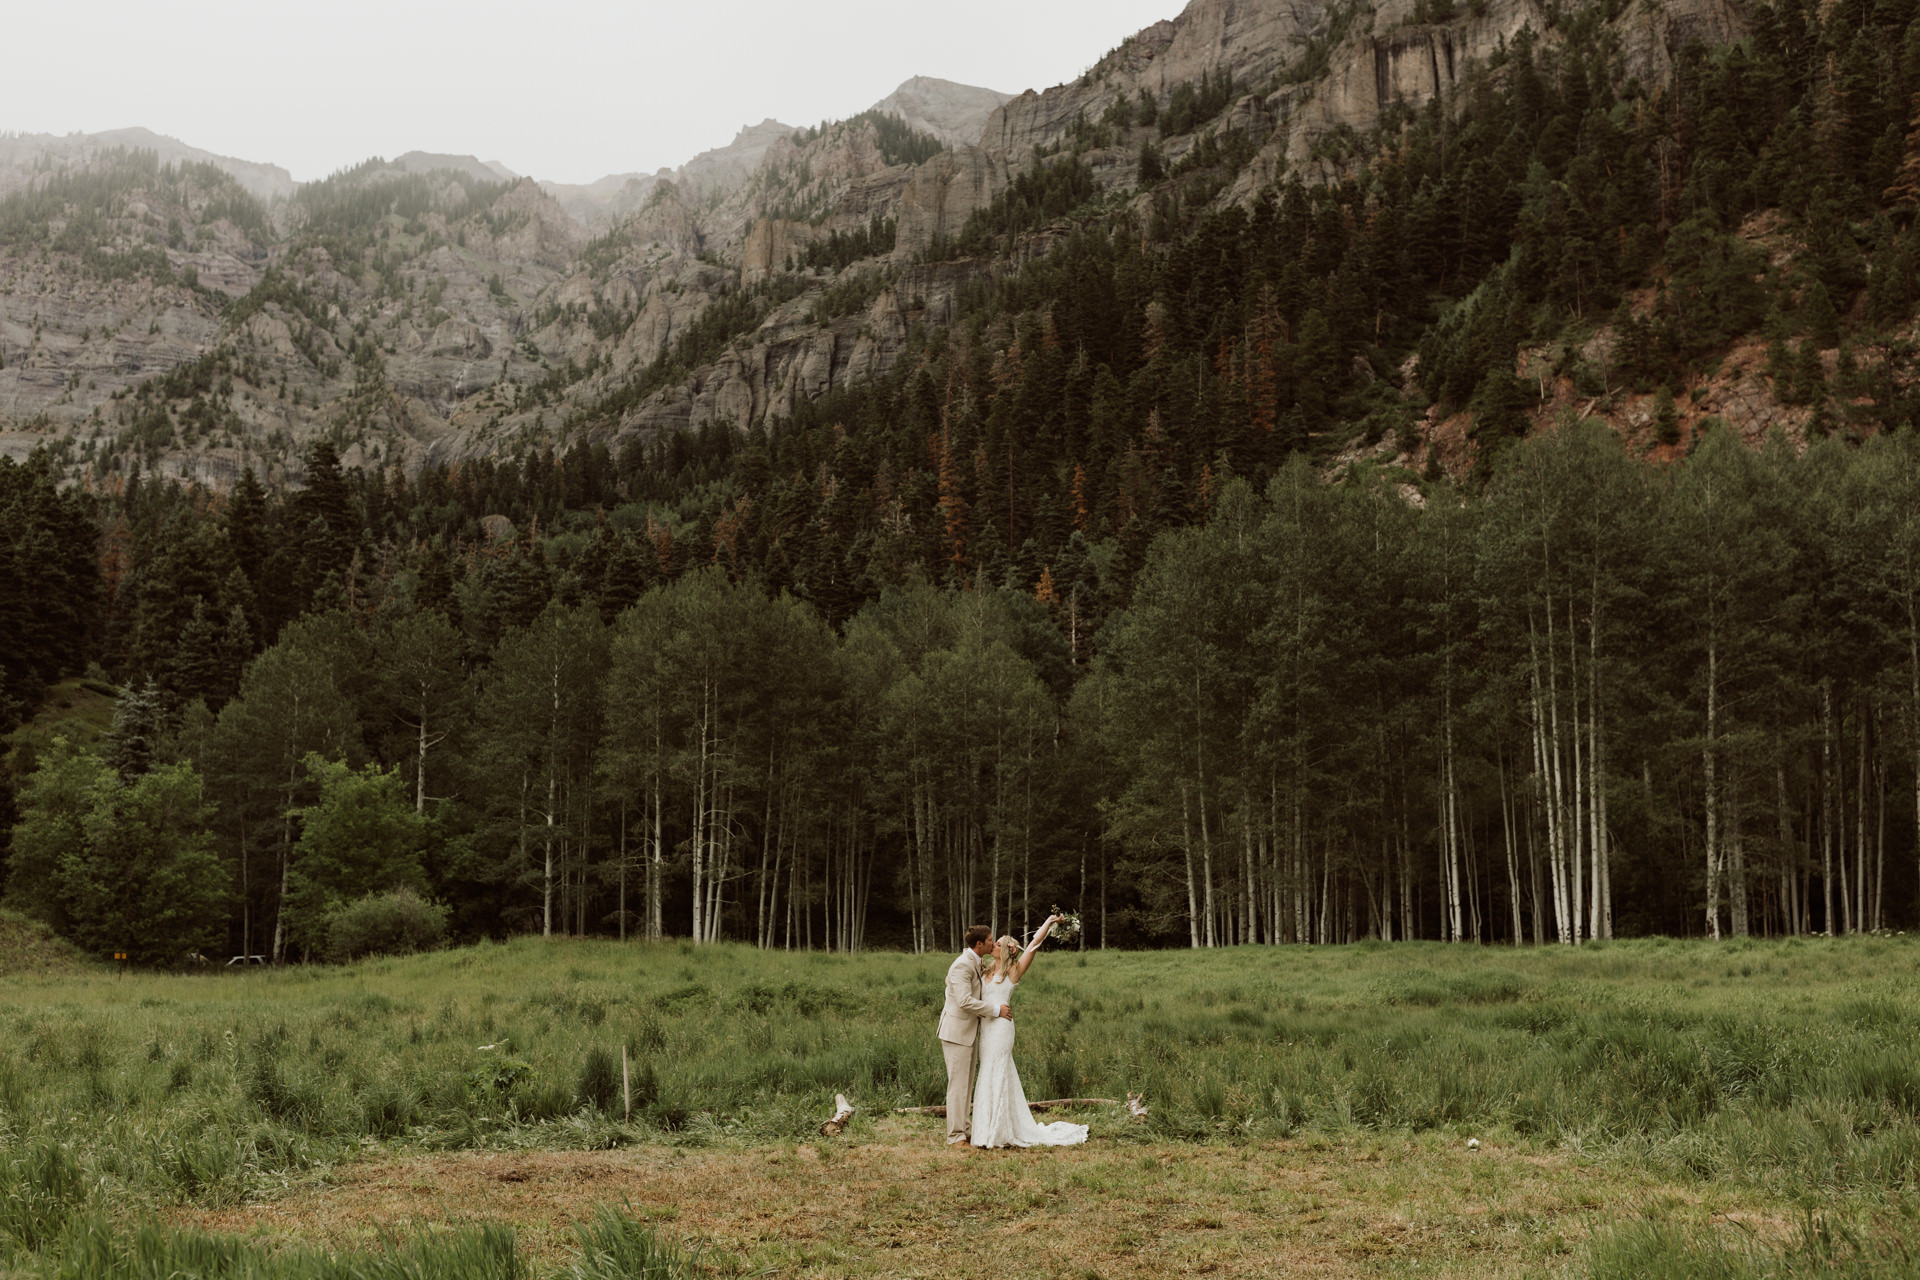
column 953, row 113
column 428, row 161
column 610, row 198
column 20, row 153
column 706, row 176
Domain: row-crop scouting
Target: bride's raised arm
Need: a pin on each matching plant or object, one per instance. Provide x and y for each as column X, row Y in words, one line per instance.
column 1026, row 957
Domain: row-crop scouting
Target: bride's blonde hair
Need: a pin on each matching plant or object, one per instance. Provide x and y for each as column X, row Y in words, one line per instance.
column 1003, row 952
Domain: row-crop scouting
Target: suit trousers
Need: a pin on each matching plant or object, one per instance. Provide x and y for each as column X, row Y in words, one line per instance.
column 959, row 1088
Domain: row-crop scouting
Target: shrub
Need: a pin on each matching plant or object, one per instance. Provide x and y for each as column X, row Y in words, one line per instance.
column 396, row 923
column 599, row 1084
column 614, row 1245
column 646, row 1086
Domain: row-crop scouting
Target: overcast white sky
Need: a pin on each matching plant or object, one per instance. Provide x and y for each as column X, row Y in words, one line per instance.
column 569, row 90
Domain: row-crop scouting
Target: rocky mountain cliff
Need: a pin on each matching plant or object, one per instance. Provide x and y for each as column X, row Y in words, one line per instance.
column 437, row 309
column 953, row 113
column 709, row 175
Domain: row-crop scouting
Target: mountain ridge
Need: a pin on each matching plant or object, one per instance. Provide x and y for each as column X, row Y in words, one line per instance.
column 794, row 264
column 942, row 108
column 21, row 152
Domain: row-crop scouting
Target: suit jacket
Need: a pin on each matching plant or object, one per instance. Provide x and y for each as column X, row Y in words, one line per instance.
column 960, row 1018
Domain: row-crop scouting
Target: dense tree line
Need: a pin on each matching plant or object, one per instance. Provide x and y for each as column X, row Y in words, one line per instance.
column 49, row 581
column 1600, row 696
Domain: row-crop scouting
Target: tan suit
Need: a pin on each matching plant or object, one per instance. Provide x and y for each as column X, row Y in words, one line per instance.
column 959, row 1030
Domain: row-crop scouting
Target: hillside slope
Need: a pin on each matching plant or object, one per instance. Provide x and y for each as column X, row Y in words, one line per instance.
column 1395, row 153
column 29, row 948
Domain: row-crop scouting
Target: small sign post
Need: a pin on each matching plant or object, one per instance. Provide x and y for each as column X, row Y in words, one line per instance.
column 121, row 956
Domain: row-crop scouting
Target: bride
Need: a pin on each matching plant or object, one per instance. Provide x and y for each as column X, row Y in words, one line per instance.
column 1000, row 1114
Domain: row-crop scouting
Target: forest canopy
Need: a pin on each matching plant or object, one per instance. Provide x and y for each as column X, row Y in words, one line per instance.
column 1600, row 696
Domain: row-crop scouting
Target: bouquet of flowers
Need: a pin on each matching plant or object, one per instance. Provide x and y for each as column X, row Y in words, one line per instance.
column 1068, row 927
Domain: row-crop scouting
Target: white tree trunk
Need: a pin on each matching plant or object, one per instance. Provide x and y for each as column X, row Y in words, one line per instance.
column 1826, row 802
column 1576, row 876
column 701, row 801
column 1710, row 759
column 1546, row 769
column 1513, row 851
column 1193, row 888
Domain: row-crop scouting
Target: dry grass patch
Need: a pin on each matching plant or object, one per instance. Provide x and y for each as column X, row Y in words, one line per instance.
column 902, row 1205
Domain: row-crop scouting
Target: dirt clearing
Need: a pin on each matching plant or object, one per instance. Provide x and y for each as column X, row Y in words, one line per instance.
column 896, row 1203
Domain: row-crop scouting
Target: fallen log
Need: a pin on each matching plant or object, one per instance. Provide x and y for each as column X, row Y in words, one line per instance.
column 1046, row 1105
column 844, row 1111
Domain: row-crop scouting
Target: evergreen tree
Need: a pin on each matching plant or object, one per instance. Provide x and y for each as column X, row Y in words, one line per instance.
column 139, row 723
column 246, row 525
column 50, row 585
column 199, row 666
column 326, row 509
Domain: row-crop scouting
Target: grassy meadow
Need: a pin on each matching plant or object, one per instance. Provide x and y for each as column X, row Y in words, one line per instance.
column 1643, row 1108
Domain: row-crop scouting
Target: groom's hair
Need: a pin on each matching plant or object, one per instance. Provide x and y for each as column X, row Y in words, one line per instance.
column 978, row 934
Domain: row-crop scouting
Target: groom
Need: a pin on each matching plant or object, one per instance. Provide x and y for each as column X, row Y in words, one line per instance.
column 960, row 1029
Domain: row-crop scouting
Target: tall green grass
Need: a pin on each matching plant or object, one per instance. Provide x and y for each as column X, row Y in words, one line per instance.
column 1818, row 1247
column 96, row 1250
column 612, row 1247
column 1786, row 1066
column 615, row 1247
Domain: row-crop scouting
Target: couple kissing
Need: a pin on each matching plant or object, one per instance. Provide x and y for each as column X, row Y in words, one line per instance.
column 985, row 1103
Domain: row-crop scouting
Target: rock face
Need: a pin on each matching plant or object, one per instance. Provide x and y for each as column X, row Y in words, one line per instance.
column 943, row 193
column 789, row 358
column 67, row 347
column 725, row 168
column 953, row 113
column 667, row 221
column 1375, row 59
column 770, row 244
column 1251, row 40
column 706, row 177
column 1394, row 61
column 1650, row 35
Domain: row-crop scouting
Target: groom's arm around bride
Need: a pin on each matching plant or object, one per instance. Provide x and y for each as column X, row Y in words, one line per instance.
column 960, row 1019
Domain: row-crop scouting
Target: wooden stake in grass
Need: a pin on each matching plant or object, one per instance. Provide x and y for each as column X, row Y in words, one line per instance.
column 626, row 1084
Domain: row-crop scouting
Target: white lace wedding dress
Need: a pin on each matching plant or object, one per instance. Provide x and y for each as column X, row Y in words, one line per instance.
column 1000, row 1114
